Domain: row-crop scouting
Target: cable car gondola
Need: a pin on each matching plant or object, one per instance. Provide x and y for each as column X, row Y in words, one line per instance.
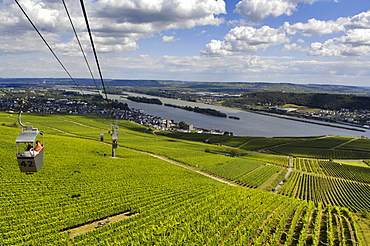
column 30, row 160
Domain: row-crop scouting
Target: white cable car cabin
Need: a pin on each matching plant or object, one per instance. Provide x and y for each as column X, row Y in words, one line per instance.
column 30, row 160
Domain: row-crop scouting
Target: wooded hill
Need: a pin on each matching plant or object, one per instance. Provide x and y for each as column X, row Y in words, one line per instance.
column 313, row 100
column 171, row 86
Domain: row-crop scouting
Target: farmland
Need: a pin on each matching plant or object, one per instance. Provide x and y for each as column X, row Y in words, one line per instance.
column 171, row 205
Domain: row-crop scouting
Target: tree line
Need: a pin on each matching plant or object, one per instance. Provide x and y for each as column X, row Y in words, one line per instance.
column 207, row 111
column 314, row 100
column 145, row 100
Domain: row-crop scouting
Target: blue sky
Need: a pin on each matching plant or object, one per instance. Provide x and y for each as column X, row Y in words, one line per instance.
column 295, row 41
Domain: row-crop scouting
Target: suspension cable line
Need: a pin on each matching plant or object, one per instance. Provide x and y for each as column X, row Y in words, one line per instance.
column 79, row 43
column 56, row 57
column 82, row 51
column 51, row 50
column 114, row 126
column 93, row 47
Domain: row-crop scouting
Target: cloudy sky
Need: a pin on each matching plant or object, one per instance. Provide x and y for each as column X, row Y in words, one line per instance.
column 295, row 41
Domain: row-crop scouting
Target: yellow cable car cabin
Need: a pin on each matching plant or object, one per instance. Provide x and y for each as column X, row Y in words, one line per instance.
column 30, row 149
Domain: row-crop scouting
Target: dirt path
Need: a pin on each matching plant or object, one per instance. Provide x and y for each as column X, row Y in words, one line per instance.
column 347, row 142
column 89, row 227
column 291, row 167
column 188, row 167
column 290, row 170
column 167, row 160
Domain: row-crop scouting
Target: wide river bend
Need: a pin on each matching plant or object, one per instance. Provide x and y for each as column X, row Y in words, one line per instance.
column 250, row 124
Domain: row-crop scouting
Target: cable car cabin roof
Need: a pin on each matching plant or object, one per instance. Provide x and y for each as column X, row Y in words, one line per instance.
column 27, row 136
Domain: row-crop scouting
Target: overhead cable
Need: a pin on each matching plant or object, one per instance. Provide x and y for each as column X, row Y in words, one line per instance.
column 79, row 43
column 93, row 47
column 51, row 50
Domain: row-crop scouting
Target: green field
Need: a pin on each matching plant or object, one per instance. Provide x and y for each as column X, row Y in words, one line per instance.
column 168, row 204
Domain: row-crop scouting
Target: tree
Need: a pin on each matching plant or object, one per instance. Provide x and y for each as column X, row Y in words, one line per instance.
column 182, row 125
column 235, row 152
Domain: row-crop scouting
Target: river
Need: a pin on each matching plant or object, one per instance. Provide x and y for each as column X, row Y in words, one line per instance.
column 250, row 124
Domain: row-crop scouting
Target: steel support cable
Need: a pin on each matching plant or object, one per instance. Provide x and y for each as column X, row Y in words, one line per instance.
column 96, row 56
column 93, row 47
column 82, row 51
column 51, row 50
column 79, row 43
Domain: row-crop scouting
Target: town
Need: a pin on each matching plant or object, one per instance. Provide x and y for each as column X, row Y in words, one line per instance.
column 358, row 118
column 114, row 110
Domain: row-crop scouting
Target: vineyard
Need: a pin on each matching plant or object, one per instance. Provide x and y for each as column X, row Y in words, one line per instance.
column 166, row 204
column 234, row 169
column 330, row 182
column 327, row 148
column 258, row 177
column 328, row 190
column 320, row 153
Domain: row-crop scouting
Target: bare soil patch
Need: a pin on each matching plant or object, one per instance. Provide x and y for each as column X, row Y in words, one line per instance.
column 100, row 223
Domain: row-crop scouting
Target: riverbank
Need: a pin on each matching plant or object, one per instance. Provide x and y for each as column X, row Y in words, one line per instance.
column 214, row 112
column 251, row 123
column 306, row 121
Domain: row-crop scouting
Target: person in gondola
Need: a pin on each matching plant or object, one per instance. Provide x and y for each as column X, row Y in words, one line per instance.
column 31, row 152
column 38, row 146
column 27, row 152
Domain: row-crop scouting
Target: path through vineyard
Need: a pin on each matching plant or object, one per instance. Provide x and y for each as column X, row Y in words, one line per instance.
column 88, row 227
column 91, row 226
column 291, row 167
column 191, row 168
column 158, row 156
column 119, row 217
column 290, row 170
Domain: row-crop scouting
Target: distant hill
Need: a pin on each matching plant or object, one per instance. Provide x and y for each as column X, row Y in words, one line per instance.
column 226, row 87
column 313, row 100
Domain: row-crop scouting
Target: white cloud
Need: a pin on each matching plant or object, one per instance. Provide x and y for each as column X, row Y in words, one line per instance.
column 330, row 48
column 314, row 26
column 256, row 10
column 356, row 37
column 169, row 39
column 239, row 68
column 217, row 48
column 294, row 47
column 361, row 20
column 206, row 68
column 355, row 43
column 162, row 14
column 131, row 20
column 116, row 24
column 244, row 39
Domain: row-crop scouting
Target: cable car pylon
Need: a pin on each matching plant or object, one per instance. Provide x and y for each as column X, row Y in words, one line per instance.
column 114, row 133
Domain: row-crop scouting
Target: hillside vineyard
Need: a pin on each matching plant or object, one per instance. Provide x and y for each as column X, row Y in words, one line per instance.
column 167, row 204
